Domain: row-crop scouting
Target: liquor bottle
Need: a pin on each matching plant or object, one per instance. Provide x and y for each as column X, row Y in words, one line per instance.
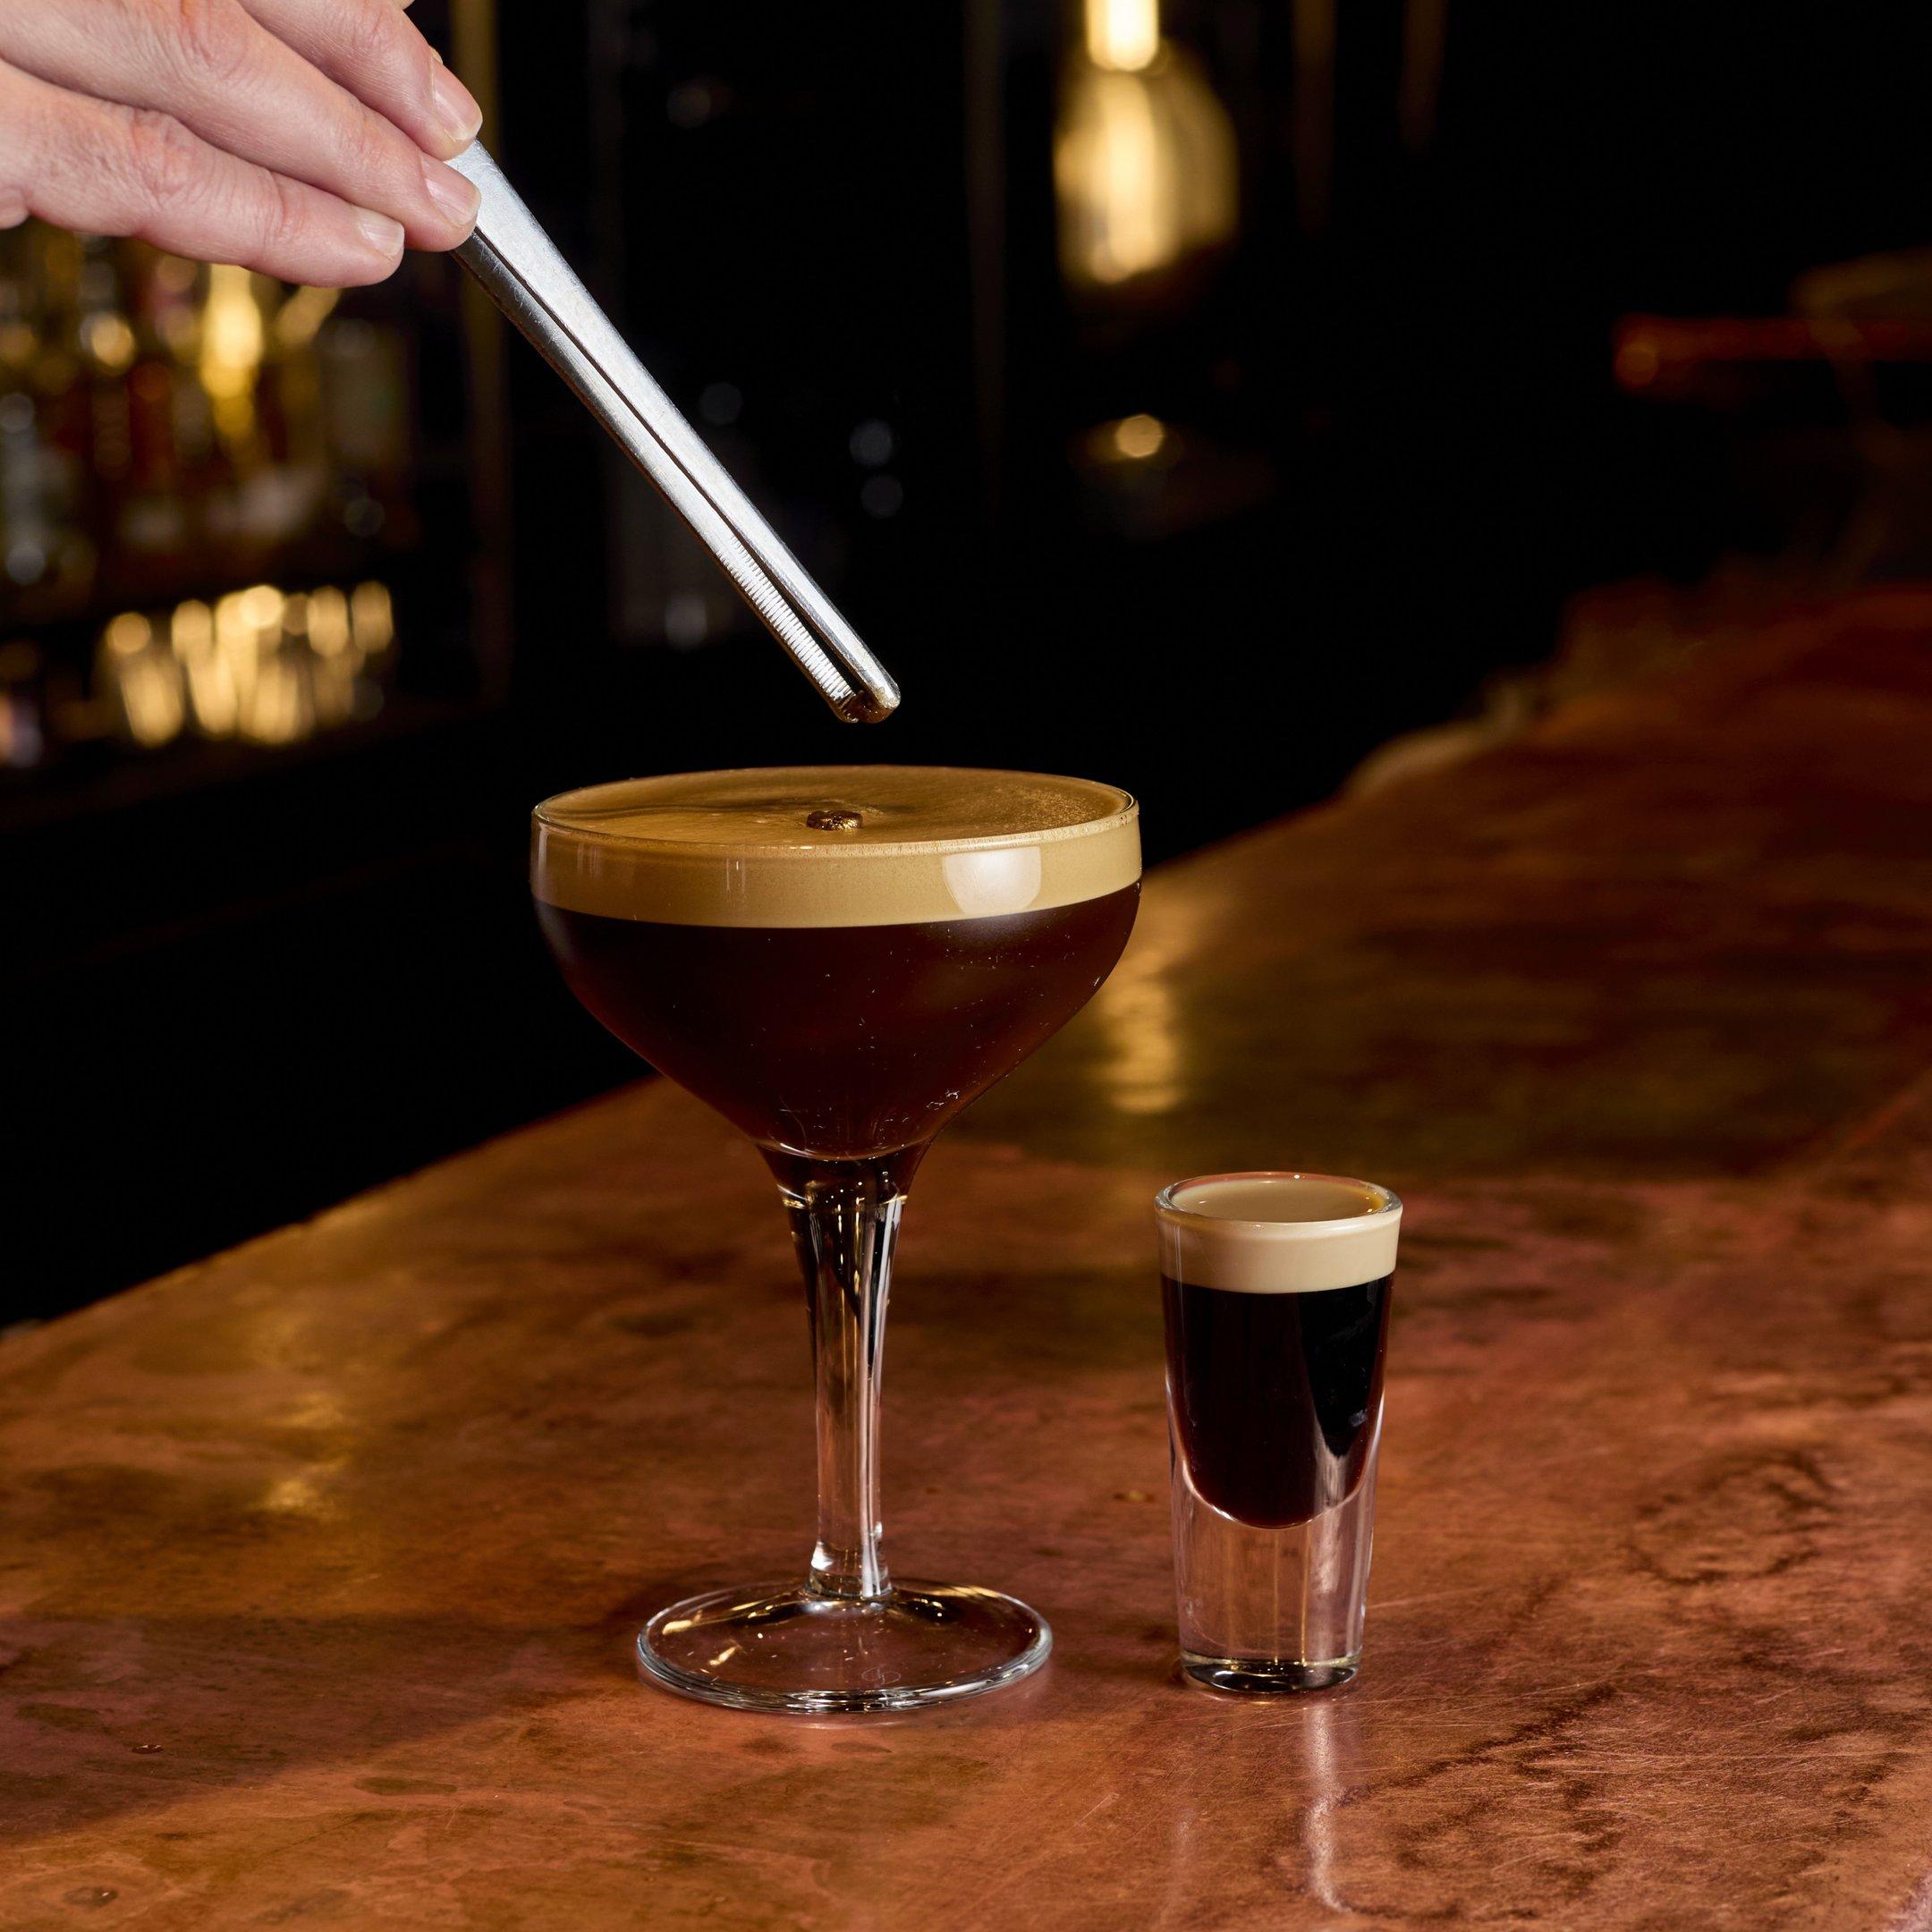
column 290, row 402
column 64, row 425
column 152, row 531
column 366, row 400
column 45, row 558
column 29, row 514
column 104, row 348
column 25, row 741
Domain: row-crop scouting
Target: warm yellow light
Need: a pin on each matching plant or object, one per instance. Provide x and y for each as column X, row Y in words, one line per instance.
column 212, row 697
column 232, row 347
column 151, row 701
column 261, row 605
column 231, row 625
column 295, row 1496
column 231, row 333
column 334, row 687
column 277, row 711
column 374, row 617
column 109, row 340
column 1120, row 167
column 328, row 622
column 1140, row 1020
column 192, row 629
column 1145, row 170
column 237, row 640
column 128, row 633
column 1140, row 436
column 262, row 663
column 303, row 315
column 1124, row 34
column 144, row 684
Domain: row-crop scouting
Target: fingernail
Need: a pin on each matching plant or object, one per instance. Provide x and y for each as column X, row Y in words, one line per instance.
column 456, row 111
column 457, row 198
column 382, row 234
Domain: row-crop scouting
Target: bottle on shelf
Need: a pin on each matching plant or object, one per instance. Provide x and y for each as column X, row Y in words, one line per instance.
column 198, row 469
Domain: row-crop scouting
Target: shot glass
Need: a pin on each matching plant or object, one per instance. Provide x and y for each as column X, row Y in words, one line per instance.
column 1277, row 1292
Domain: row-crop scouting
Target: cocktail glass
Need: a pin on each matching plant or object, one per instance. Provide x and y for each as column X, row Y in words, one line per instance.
column 839, row 960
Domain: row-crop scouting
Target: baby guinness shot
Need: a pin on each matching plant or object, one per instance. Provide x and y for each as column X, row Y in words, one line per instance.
column 1277, row 1293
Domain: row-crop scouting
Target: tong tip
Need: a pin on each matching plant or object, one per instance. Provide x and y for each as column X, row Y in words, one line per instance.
column 870, row 703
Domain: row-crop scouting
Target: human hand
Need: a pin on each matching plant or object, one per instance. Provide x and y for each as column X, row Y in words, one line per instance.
column 303, row 138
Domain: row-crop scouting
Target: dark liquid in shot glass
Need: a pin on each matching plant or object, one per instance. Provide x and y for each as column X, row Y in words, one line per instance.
column 1275, row 1396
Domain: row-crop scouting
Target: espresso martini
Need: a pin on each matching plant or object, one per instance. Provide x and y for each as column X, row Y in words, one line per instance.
column 839, row 960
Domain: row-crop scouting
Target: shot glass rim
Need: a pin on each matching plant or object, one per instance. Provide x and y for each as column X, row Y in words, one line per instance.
column 1166, row 1209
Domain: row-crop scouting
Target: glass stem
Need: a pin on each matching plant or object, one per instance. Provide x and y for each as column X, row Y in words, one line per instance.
column 845, row 1226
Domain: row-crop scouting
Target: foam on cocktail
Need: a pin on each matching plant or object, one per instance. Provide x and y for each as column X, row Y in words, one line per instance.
column 1277, row 1233
column 833, row 846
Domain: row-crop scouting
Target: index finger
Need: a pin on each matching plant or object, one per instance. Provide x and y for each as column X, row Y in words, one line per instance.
column 370, row 48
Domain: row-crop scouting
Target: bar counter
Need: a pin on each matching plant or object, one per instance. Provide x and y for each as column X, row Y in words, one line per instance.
column 319, row 1562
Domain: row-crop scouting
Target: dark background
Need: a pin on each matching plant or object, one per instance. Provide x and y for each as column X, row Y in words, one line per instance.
column 237, row 995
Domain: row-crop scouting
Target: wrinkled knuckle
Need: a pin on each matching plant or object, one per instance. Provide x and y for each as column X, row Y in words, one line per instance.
column 368, row 33
column 281, row 222
column 12, row 155
column 23, row 147
column 213, row 40
column 393, row 50
column 373, row 150
column 161, row 157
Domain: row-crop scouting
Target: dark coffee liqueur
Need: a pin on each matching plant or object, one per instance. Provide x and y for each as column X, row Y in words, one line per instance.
column 841, row 1040
column 1274, row 1395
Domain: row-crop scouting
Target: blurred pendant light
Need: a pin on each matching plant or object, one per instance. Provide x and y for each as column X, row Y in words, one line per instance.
column 233, row 343
column 1145, row 170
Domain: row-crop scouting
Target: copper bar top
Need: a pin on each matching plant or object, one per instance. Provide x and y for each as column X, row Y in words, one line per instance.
column 319, row 1562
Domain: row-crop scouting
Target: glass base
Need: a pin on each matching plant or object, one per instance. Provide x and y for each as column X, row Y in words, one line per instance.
column 1268, row 1676
column 789, row 1648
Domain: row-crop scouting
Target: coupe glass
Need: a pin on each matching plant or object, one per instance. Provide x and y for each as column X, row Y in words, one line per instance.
column 839, row 960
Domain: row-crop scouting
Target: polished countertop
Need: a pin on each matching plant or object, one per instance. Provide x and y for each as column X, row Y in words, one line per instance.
column 320, row 1561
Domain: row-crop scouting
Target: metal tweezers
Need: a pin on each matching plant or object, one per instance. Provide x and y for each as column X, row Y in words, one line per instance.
column 531, row 282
